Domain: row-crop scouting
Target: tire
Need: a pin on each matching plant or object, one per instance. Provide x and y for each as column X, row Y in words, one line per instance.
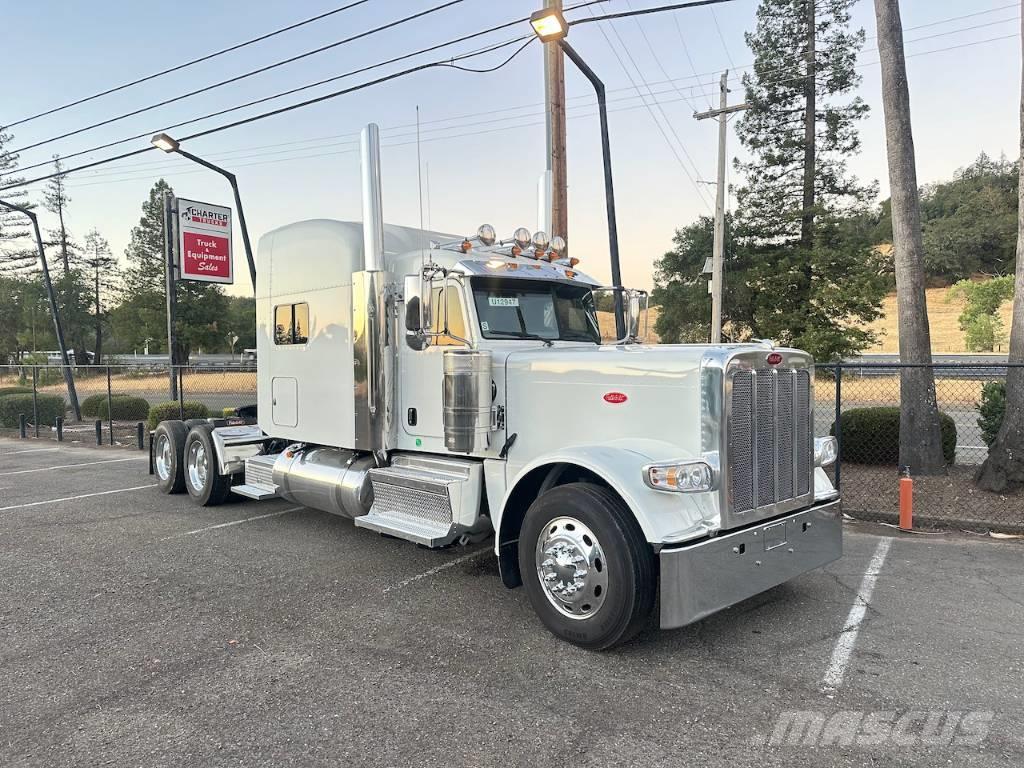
column 613, row 600
column 168, row 448
column 203, row 481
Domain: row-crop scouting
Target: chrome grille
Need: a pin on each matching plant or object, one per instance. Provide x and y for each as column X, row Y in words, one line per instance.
column 769, row 439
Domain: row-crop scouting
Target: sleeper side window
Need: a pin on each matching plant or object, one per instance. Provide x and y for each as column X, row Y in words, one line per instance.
column 291, row 323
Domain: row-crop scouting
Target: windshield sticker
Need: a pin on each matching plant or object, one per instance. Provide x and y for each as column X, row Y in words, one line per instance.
column 485, row 325
column 503, row 301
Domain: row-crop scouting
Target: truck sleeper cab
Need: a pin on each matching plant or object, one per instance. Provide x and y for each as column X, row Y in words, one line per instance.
column 442, row 389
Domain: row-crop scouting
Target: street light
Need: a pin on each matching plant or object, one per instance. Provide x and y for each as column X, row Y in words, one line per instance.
column 551, row 27
column 58, row 328
column 169, row 144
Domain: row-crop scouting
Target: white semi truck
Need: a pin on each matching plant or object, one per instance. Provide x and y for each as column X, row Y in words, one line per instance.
column 441, row 389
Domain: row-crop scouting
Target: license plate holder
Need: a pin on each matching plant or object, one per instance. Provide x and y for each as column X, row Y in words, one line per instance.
column 774, row 536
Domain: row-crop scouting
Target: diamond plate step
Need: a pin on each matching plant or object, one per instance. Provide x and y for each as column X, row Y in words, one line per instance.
column 412, row 500
column 259, row 478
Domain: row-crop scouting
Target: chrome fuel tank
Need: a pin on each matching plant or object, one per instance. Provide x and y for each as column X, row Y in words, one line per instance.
column 333, row 480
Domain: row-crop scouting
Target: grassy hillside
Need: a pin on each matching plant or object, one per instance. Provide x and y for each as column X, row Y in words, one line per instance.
column 942, row 317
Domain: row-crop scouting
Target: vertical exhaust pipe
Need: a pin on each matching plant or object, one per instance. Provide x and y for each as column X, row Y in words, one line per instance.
column 369, row 313
column 373, row 215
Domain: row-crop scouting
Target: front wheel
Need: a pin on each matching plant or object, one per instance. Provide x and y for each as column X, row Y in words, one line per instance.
column 587, row 568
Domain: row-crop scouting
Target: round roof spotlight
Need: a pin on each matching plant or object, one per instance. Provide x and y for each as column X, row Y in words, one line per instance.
column 522, row 237
column 540, row 241
column 558, row 244
column 486, row 234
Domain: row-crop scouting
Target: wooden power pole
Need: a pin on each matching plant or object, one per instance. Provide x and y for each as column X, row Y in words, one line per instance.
column 554, row 91
column 718, row 255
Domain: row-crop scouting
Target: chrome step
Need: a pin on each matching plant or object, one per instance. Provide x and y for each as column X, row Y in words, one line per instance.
column 259, row 478
column 428, row 500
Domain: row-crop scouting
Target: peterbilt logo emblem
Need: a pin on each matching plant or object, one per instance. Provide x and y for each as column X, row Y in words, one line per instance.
column 774, row 358
column 615, row 398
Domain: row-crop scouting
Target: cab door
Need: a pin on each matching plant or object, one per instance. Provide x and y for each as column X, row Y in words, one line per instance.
column 422, row 371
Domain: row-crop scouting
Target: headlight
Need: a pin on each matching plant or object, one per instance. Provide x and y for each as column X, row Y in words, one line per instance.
column 681, row 476
column 826, row 450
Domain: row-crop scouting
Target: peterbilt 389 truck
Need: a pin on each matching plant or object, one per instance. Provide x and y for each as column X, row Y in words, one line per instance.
column 445, row 389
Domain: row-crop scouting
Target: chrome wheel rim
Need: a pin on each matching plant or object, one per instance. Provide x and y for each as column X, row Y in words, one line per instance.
column 163, row 457
column 197, row 465
column 571, row 567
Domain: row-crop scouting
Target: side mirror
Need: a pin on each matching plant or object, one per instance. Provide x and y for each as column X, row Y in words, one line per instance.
column 412, row 314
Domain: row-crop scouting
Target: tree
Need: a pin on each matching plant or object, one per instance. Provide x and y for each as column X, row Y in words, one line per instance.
column 920, row 430
column 980, row 321
column 681, row 288
column 14, row 226
column 1003, row 469
column 99, row 260
column 142, row 313
column 55, row 200
column 808, row 276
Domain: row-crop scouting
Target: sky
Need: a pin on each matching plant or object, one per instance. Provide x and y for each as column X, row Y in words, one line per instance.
column 482, row 134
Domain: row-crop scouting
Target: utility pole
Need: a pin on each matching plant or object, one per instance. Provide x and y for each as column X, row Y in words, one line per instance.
column 718, row 255
column 554, row 94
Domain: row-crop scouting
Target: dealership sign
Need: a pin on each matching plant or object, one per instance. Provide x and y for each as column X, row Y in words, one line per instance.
column 204, row 242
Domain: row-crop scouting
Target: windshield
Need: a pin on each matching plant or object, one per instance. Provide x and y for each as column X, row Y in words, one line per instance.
column 529, row 309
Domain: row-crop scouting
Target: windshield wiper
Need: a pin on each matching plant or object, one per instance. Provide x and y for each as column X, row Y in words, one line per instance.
column 518, row 335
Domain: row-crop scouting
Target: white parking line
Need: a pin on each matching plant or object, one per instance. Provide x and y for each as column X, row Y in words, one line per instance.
column 848, row 637
column 437, row 569
column 233, row 522
column 30, row 450
column 70, row 466
column 75, row 498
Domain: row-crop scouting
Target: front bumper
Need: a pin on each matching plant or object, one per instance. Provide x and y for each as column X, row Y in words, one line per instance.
column 700, row 579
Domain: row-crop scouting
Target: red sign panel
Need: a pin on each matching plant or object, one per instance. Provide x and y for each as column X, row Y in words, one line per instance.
column 615, row 398
column 205, row 257
column 204, row 242
column 774, row 358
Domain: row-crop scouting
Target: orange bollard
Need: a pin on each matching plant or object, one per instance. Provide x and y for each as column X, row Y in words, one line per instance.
column 906, row 503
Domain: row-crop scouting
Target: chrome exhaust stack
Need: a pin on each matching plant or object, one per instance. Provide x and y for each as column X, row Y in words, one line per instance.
column 369, row 315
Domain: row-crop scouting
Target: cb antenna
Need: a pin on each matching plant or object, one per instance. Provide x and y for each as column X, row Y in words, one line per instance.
column 419, row 182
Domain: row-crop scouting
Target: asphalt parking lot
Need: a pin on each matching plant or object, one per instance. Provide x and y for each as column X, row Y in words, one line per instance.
column 137, row 629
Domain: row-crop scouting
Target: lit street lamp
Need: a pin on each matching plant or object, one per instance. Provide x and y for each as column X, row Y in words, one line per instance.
column 551, row 27
column 168, row 144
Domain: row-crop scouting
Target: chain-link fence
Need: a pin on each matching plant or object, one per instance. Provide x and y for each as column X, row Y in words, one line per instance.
column 114, row 400
column 859, row 403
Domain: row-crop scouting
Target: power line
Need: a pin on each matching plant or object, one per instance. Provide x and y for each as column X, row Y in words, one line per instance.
column 298, row 89
column 185, row 65
column 243, row 76
column 271, row 113
column 721, row 37
column 645, row 11
column 700, row 192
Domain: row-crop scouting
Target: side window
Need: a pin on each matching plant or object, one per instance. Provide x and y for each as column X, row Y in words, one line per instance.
column 456, row 321
column 291, row 323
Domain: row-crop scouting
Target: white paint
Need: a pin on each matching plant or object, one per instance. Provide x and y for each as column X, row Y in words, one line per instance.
column 71, row 466
column 75, row 498
column 848, row 638
column 435, row 570
column 233, row 522
column 31, row 450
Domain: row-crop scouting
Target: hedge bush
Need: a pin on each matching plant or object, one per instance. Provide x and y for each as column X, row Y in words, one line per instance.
column 124, row 408
column 872, row 436
column 15, row 391
column 991, row 410
column 91, row 405
column 169, row 410
column 50, row 407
